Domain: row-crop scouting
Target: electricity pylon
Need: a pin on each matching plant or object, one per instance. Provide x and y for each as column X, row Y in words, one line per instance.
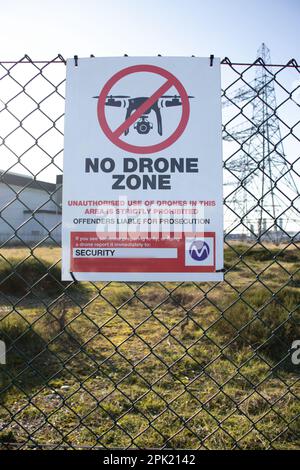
column 262, row 194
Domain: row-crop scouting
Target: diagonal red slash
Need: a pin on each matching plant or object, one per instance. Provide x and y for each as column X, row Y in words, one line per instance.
column 171, row 81
column 144, row 107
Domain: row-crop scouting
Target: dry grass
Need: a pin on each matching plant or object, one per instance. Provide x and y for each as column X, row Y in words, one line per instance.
column 147, row 365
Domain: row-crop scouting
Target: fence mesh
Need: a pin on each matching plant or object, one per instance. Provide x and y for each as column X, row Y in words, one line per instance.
column 152, row 365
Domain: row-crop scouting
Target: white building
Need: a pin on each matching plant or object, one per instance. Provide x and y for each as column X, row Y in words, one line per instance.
column 30, row 209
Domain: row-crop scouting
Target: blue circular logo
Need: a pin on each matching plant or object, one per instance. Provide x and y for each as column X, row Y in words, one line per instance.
column 199, row 250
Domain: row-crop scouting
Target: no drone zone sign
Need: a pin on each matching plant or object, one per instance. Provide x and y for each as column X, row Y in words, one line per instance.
column 142, row 184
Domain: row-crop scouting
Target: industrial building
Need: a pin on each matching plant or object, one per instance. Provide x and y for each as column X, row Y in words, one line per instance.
column 30, row 209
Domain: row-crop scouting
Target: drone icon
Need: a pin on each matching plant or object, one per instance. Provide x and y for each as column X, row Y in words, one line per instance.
column 143, row 125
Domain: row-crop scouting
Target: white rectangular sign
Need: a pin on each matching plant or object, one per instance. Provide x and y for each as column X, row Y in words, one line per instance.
column 142, row 183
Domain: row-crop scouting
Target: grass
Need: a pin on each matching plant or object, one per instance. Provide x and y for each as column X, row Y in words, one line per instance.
column 265, row 321
column 152, row 364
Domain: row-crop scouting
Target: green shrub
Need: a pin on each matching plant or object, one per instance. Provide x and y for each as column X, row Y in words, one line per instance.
column 264, row 321
column 260, row 253
column 34, row 277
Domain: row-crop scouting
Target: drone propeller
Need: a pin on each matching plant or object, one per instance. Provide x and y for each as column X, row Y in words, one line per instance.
column 118, row 96
column 175, row 96
column 111, row 97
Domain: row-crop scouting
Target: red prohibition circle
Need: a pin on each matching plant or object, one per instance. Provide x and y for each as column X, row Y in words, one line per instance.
column 172, row 80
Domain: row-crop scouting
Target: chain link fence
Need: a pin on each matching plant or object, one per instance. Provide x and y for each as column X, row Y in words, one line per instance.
column 152, row 365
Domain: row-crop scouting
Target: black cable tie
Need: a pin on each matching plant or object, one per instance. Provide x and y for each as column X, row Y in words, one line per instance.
column 211, row 60
column 125, row 55
column 220, row 270
column 158, row 55
column 92, row 56
column 76, row 60
column 73, row 277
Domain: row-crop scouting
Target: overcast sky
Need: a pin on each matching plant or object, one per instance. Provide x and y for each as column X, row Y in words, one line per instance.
column 233, row 28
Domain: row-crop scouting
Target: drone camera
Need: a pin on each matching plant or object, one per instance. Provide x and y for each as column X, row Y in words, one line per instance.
column 143, row 126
